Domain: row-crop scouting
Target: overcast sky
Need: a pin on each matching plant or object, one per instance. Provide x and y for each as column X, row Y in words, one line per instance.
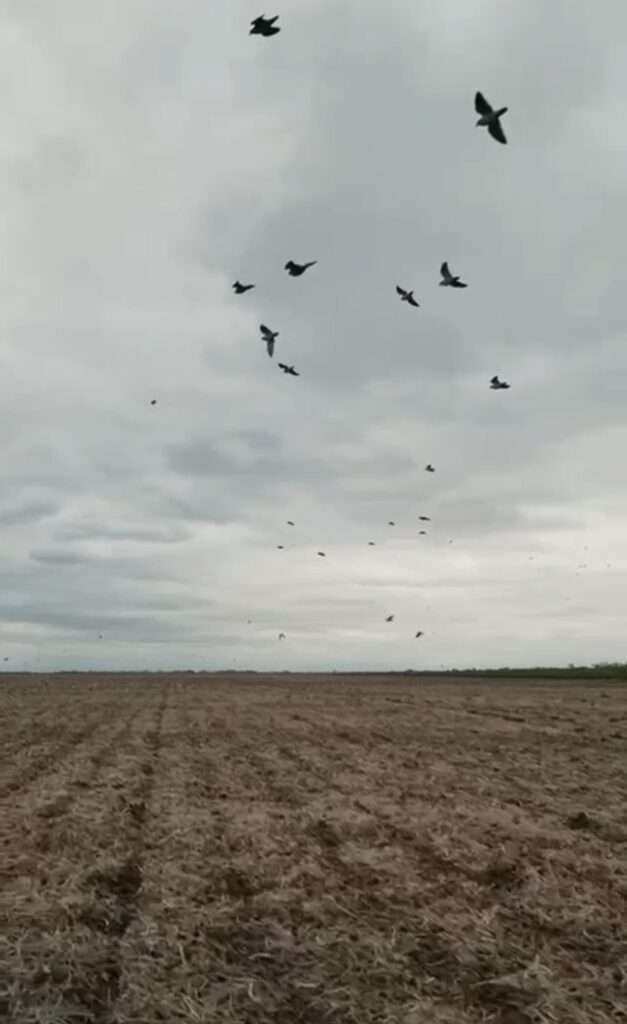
column 151, row 153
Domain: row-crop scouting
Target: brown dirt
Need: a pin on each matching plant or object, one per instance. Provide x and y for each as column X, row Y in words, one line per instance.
column 311, row 849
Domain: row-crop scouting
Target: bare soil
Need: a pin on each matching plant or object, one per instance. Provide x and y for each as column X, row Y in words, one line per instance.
column 307, row 849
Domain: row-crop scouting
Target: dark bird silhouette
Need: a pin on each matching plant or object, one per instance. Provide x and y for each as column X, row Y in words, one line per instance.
column 269, row 337
column 425, row 519
column 390, row 618
column 281, row 636
column 429, row 468
column 391, row 523
column 290, row 523
column 450, row 280
column 296, row 269
column 490, row 118
column 423, row 533
column 322, row 554
column 263, row 26
column 153, row 401
column 288, row 369
column 280, row 547
column 240, row 288
column 407, row 296
column 498, row 385
column 419, row 633
column 372, row 544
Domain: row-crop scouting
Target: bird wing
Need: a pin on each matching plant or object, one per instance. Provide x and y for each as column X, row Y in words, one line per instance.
column 412, row 302
column 282, row 366
column 445, row 272
column 270, row 346
column 267, row 333
column 496, row 131
column 494, row 380
column 401, row 291
column 481, row 104
column 271, row 21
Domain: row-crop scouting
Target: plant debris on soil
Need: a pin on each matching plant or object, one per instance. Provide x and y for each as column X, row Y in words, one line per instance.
column 311, row 850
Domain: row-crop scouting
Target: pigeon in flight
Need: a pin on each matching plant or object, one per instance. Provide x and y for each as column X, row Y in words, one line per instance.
column 423, row 533
column 419, row 633
column 407, row 296
column 269, row 337
column 391, row 523
column 281, row 636
column 290, row 523
column 280, row 547
column 372, row 544
column 429, row 468
column 322, row 554
column 288, row 369
column 425, row 519
column 490, row 118
column 296, row 269
column 153, row 401
column 240, row 288
column 498, row 385
column 390, row 618
column 450, row 280
column 263, row 26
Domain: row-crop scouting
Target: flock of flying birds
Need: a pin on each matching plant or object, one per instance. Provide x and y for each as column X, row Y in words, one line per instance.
column 490, row 118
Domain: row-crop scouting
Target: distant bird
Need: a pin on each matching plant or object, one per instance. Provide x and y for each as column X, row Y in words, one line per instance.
column 490, row 118
column 290, row 523
column 407, row 296
column 419, row 633
column 296, row 269
column 391, row 523
column 498, row 385
column 263, row 26
column 372, row 544
column 429, row 468
column 450, row 280
column 281, row 636
column 269, row 337
column 288, row 369
column 280, row 547
column 240, row 288
column 423, row 533
column 425, row 519
column 153, row 401
column 100, row 637
column 322, row 554
column 390, row 618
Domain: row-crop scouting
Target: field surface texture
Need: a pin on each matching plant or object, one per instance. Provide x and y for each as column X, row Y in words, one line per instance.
column 312, row 849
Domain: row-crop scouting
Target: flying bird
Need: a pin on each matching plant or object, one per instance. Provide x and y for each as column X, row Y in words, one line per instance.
column 290, row 523
column 322, row 554
column 153, row 401
column 281, row 636
column 419, row 633
column 425, row 519
column 429, row 468
column 263, row 26
column 296, row 269
column 450, row 280
column 407, row 296
column 288, row 369
column 498, row 385
column 269, row 337
column 391, row 523
column 423, row 533
column 372, row 544
column 280, row 547
column 390, row 618
column 240, row 288
column 490, row 118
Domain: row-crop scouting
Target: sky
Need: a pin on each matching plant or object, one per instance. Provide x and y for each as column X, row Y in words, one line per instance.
column 153, row 153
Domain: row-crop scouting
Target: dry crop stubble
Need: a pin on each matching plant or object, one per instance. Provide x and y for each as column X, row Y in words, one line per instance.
column 259, row 848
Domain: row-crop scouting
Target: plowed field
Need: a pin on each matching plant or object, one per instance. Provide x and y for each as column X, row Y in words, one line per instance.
column 311, row 849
